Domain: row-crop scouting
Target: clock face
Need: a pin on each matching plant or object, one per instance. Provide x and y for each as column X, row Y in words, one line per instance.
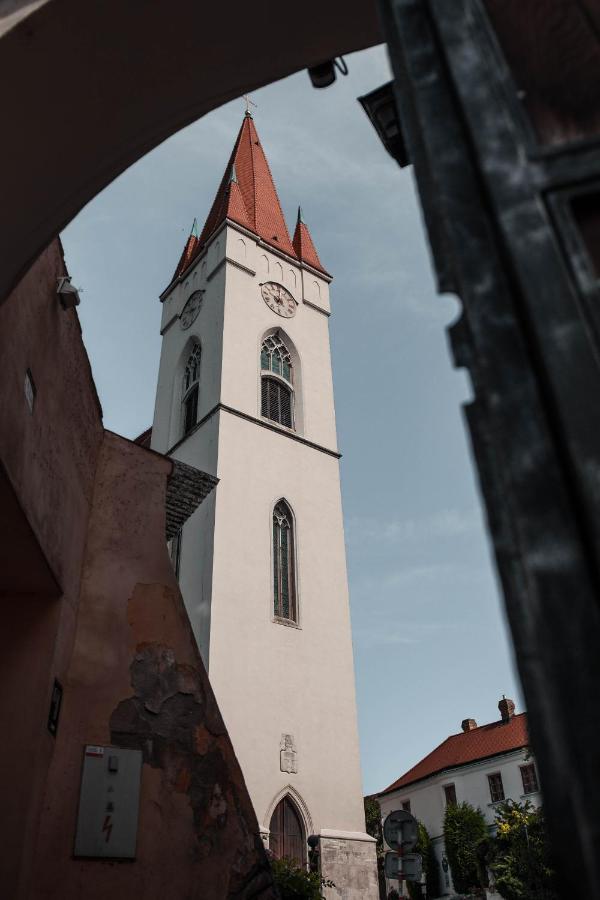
column 278, row 299
column 191, row 309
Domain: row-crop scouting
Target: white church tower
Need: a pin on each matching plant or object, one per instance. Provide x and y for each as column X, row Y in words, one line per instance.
column 245, row 392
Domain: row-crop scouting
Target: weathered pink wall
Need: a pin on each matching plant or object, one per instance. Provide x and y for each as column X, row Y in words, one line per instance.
column 47, row 468
column 93, row 601
column 136, row 680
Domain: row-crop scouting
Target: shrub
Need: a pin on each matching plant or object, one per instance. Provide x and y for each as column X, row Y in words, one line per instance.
column 464, row 829
column 296, row 883
column 518, row 855
column 373, row 827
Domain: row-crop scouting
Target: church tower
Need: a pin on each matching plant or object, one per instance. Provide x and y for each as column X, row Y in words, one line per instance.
column 245, row 392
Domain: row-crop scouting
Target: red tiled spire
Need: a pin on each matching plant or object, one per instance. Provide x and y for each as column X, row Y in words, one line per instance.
column 252, row 191
column 304, row 247
column 189, row 250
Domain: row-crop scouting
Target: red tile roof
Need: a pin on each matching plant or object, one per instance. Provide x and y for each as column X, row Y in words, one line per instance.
column 257, row 189
column 247, row 195
column 304, row 247
column 467, row 747
column 188, row 251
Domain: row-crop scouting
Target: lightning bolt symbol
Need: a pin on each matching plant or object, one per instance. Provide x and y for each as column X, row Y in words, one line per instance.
column 107, row 827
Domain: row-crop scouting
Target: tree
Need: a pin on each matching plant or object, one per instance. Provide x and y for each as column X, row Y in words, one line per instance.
column 373, row 826
column 518, row 855
column 430, row 867
column 464, row 830
column 296, row 883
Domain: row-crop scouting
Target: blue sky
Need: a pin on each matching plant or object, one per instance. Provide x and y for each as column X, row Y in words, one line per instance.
column 430, row 641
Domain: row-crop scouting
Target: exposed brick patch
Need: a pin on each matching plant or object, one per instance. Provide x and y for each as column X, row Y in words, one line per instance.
column 174, row 720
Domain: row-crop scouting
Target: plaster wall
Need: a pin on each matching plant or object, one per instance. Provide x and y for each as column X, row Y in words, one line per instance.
column 47, row 468
column 136, row 680
column 270, row 679
column 89, row 597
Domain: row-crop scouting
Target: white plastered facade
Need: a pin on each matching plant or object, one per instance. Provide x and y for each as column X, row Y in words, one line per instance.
column 270, row 679
column 428, row 800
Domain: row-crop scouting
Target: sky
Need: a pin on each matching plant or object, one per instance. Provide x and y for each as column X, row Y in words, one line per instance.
column 431, row 645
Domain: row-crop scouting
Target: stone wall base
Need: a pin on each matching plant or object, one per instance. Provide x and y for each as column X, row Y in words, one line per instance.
column 352, row 865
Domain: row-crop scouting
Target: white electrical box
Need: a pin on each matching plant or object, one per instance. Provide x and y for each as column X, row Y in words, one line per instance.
column 109, row 803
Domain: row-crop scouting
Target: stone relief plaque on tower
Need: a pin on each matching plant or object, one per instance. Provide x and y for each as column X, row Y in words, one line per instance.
column 288, row 758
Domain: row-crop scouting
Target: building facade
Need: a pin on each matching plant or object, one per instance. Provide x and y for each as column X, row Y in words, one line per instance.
column 99, row 664
column 245, row 392
column 482, row 765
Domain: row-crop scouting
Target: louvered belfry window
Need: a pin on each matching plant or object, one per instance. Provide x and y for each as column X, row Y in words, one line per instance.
column 191, row 378
column 277, row 392
column 284, row 574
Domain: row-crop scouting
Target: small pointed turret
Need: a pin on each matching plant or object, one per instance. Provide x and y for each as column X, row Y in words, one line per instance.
column 303, row 245
column 188, row 251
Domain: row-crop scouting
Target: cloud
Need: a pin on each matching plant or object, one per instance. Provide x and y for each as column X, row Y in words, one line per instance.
column 394, row 633
column 444, row 523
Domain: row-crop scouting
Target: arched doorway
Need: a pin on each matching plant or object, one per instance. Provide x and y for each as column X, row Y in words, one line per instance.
column 287, row 836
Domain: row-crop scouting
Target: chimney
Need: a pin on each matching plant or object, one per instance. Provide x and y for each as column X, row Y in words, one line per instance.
column 468, row 724
column 507, row 709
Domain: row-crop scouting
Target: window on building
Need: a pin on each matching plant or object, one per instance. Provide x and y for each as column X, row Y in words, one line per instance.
column 496, row 787
column 191, row 379
column 277, row 379
column 286, row 836
column 284, row 568
column 174, row 546
column 406, row 805
column 529, row 778
column 450, row 794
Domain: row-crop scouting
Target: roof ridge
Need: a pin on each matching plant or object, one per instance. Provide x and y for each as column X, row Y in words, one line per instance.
column 467, row 747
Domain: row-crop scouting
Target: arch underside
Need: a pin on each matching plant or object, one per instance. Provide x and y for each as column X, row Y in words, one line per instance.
column 101, row 84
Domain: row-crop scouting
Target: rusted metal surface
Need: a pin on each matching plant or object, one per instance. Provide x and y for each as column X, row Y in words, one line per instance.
column 506, row 238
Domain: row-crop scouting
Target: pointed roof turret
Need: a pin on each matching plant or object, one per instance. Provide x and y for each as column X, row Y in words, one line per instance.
column 304, row 247
column 255, row 191
column 189, row 250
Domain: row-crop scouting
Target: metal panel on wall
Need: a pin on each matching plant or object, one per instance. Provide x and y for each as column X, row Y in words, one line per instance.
column 109, row 803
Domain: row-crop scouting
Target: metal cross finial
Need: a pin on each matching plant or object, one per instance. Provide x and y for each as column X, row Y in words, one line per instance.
column 249, row 102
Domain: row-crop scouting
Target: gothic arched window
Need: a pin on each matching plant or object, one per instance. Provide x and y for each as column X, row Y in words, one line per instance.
column 191, row 378
column 286, row 837
column 277, row 380
column 284, row 566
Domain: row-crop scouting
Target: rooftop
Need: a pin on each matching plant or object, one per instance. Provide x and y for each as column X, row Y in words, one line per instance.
column 467, row 747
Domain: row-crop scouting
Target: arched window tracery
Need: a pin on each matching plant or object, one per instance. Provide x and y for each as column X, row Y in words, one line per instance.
column 277, row 394
column 191, row 388
column 284, row 564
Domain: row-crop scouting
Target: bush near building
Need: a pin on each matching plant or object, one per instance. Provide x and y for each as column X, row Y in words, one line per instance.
column 518, row 855
column 464, row 830
column 295, row 883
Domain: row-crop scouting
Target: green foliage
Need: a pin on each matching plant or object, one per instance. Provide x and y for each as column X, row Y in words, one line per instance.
column 295, row 883
column 430, row 867
column 464, row 829
column 373, row 822
column 518, row 855
column 373, row 826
